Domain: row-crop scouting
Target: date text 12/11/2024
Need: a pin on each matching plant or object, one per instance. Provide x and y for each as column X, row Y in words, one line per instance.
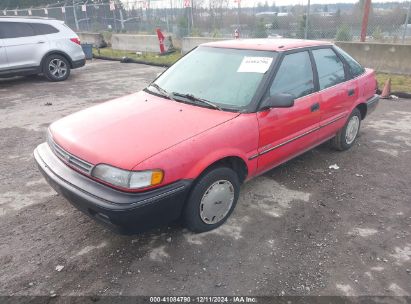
column 203, row 299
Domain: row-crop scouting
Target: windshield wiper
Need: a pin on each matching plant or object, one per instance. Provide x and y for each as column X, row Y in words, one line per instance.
column 162, row 91
column 194, row 98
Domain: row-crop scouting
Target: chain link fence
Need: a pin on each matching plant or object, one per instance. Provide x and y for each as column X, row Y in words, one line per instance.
column 388, row 21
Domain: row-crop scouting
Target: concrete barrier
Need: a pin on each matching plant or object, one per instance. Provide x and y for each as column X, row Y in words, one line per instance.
column 149, row 43
column 136, row 43
column 189, row 43
column 382, row 57
column 389, row 58
column 96, row 39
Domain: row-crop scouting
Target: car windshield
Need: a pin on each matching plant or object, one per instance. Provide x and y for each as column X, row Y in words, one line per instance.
column 227, row 78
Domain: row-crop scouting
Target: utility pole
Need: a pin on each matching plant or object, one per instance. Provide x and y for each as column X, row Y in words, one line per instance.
column 172, row 10
column 307, row 19
column 121, row 19
column 187, row 12
column 170, row 19
column 238, row 14
column 406, row 23
column 367, row 7
column 75, row 16
column 192, row 16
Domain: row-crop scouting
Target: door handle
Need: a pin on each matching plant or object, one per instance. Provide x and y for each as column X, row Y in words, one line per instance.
column 41, row 42
column 315, row 107
column 351, row 92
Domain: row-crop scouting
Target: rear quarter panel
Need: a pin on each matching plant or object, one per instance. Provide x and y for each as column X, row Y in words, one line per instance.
column 187, row 160
column 367, row 86
column 61, row 42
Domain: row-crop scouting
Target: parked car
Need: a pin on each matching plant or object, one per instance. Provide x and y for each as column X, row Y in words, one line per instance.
column 225, row 113
column 30, row 46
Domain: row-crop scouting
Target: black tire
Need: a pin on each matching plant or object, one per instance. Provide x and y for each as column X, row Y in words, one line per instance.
column 339, row 142
column 49, row 71
column 191, row 213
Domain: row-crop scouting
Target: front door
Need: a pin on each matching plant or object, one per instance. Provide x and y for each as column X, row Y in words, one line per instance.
column 284, row 133
column 3, row 57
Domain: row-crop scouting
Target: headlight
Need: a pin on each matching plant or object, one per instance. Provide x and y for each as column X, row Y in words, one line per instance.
column 128, row 179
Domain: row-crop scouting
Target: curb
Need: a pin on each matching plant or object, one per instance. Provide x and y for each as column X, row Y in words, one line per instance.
column 130, row 60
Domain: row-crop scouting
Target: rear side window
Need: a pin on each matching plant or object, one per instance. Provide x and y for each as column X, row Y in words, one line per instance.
column 295, row 76
column 330, row 68
column 355, row 68
column 44, row 29
column 15, row 30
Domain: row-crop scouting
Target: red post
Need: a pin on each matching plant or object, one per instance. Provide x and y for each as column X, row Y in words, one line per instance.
column 367, row 7
column 161, row 40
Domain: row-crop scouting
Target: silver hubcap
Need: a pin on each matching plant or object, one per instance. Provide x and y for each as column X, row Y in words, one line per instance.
column 352, row 130
column 216, row 202
column 58, row 68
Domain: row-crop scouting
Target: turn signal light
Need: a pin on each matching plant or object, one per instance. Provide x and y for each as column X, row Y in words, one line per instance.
column 156, row 177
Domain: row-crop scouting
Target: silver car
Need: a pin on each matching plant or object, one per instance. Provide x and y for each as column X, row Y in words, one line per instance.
column 38, row 46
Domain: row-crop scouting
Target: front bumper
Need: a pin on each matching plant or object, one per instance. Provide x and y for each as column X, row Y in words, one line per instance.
column 123, row 212
column 372, row 103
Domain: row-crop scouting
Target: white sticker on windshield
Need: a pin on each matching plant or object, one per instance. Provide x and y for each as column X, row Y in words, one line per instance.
column 255, row 65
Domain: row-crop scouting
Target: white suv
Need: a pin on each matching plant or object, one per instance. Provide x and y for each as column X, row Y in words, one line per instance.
column 38, row 46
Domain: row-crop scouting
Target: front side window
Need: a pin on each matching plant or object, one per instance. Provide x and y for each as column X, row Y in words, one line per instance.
column 228, row 78
column 355, row 68
column 330, row 68
column 295, row 76
column 15, row 30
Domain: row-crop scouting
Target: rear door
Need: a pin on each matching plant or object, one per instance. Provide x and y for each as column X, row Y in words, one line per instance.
column 336, row 93
column 24, row 48
column 284, row 133
column 3, row 57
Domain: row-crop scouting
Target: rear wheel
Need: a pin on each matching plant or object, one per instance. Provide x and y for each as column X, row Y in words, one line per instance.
column 212, row 200
column 346, row 137
column 56, row 68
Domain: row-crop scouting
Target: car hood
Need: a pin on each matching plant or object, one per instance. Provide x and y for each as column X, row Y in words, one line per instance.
column 128, row 130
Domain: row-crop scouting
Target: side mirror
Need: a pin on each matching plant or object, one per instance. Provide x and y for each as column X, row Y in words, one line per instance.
column 278, row 101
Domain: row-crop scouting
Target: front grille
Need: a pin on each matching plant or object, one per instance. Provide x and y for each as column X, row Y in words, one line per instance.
column 69, row 158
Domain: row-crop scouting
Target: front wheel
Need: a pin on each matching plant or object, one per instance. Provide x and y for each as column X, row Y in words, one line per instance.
column 346, row 137
column 212, row 200
column 56, row 68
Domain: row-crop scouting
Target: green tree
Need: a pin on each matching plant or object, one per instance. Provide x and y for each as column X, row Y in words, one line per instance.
column 359, row 8
column 275, row 24
column 301, row 27
column 378, row 34
column 343, row 33
column 182, row 24
column 260, row 29
column 259, row 7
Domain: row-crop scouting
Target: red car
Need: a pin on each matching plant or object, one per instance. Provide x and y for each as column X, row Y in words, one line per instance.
column 223, row 114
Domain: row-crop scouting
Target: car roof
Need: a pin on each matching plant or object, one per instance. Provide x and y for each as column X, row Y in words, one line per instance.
column 268, row 44
column 29, row 19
